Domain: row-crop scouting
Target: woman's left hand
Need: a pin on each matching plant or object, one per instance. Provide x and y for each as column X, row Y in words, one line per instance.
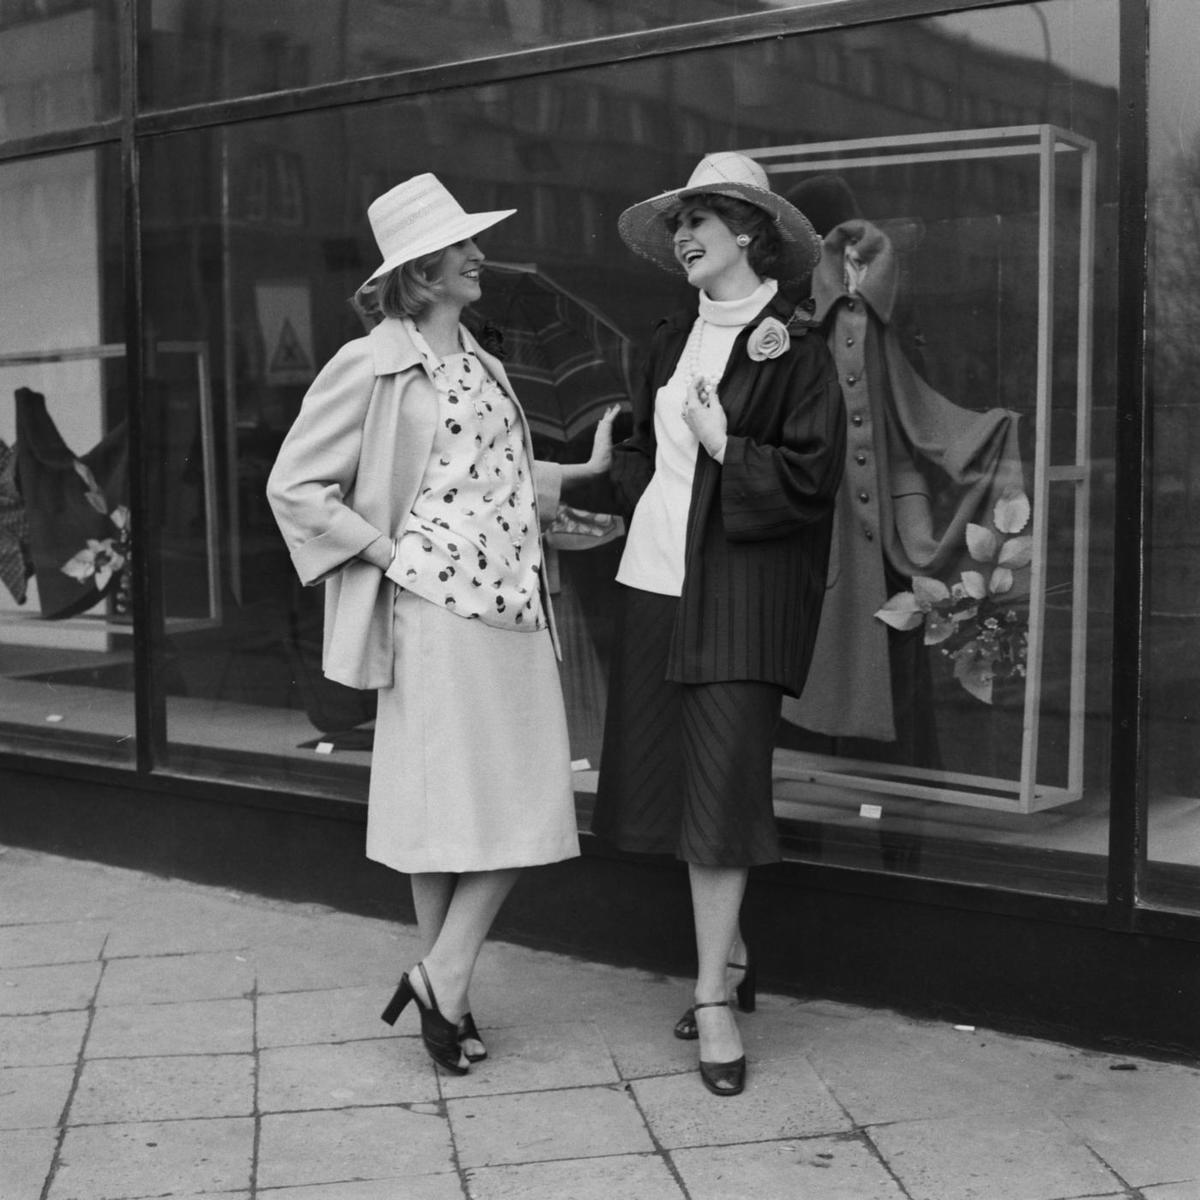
column 704, row 416
column 602, row 442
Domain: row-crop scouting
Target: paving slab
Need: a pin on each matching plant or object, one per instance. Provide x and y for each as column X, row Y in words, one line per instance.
column 195, row 919
column 186, row 1027
column 882, row 1074
column 326, row 1015
column 346, row 1144
column 41, row 945
column 984, row 1156
column 543, row 1126
column 33, row 1097
column 338, row 958
column 418, row 1187
column 1186, row 1190
column 164, row 1089
column 784, row 1097
column 346, row 1075
column 526, row 1058
column 43, row 1039
column 154, row 1158
column 625, row 1177
column 842, row 1168
column 25, row 1158
column 174, row 978
column 1145, row 1124
column 48, row 989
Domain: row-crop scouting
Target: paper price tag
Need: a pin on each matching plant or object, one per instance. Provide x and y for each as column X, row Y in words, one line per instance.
column 323, row 748
column 872, row 812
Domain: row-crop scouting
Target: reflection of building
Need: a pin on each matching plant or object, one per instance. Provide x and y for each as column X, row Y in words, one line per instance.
column 227, row 214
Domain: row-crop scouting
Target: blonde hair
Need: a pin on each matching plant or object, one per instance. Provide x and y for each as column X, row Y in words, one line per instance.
column 405, row 291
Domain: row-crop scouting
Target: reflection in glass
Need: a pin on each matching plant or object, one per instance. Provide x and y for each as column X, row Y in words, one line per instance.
column 201, row 50
column 1173, row 628
column 66, row 542
column 255, row 237
column 60, row 65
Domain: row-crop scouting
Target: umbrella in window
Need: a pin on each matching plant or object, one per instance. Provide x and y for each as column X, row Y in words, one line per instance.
column 567, row 361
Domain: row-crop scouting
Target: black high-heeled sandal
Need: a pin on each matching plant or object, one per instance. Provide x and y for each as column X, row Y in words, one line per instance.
column 746, row 994
column 722, row 1078
column 467, row 1032
column 439, row 1034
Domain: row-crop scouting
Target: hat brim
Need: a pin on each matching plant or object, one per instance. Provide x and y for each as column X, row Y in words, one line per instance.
column 644, row 230
column 458, row 230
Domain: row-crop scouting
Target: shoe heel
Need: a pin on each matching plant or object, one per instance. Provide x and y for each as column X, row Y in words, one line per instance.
column 399, row 1001
column 747, row 991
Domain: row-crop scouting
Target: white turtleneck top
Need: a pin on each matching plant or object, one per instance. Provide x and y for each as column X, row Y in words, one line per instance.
column 654, row 549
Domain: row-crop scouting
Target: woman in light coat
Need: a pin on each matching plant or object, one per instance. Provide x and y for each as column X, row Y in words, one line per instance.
column 407, row 486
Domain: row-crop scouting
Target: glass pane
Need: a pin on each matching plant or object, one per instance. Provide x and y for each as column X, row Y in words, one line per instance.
column 66, row 654
column 996, row 193
column 60, row 65
column 200, row 50
column 1173, row 358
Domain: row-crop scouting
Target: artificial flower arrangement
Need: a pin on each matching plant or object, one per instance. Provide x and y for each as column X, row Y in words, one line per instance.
column 102, row 558
column 978, row 620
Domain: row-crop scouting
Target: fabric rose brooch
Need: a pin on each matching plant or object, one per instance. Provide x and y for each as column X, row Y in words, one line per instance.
column 772, row 338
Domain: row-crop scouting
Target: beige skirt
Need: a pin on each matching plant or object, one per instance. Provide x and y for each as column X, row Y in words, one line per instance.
column 471, row 767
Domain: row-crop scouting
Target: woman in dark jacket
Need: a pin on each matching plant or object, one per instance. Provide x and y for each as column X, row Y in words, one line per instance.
column 730, row 478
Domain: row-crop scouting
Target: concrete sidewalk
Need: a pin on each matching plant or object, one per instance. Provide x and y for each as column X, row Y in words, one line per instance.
column 163, row 1038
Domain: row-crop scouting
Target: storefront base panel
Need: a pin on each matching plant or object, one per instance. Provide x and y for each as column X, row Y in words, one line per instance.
column 815, row 934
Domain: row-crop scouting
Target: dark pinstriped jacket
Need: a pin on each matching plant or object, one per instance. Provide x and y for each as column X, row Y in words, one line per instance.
column 759, row 526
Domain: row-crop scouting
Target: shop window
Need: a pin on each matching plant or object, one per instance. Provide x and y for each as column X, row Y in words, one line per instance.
column 67, row 545
column 970, row 249
column 1173, row 619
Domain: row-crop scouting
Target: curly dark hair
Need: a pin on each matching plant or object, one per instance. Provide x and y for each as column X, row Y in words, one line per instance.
column 766, row 248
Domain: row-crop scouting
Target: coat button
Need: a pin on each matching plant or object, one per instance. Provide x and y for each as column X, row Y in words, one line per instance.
column 864, row 497
column 857, row 419
column 851, row 305
column 852, row 379
column 849, row 341
column 861, row 459
column 868, row 533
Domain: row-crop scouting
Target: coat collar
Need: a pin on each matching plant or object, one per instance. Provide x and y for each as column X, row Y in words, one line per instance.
column 391, row 347
column 393, row 350
column 874, row 248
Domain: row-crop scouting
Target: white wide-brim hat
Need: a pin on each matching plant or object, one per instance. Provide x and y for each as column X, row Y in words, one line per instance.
column 644, row 229
column 420, row 216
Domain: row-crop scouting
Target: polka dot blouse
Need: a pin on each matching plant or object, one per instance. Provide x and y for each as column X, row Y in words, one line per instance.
column 472, row 543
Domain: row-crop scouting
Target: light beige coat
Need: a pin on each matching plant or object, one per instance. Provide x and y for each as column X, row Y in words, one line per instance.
column 348, row 473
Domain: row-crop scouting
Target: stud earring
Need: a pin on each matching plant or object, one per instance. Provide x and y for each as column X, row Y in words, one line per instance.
column 742, row 239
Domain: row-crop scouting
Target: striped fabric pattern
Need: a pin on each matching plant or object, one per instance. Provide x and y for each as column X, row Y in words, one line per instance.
column 685, row 769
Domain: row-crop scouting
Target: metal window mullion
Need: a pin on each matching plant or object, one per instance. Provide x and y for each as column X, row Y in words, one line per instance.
column 148, row 638
column 1127, row 769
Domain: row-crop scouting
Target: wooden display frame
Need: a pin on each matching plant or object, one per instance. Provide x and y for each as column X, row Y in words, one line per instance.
column 1046, row 143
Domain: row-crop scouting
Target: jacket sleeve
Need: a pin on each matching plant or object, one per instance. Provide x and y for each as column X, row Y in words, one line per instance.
column 633, row 459
column 770, row 490
column 317, row 465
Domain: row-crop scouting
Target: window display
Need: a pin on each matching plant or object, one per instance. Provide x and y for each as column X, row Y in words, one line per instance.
column 935, row 510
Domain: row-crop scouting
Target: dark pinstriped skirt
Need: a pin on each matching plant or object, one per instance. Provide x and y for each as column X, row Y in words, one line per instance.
column 685, row 768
